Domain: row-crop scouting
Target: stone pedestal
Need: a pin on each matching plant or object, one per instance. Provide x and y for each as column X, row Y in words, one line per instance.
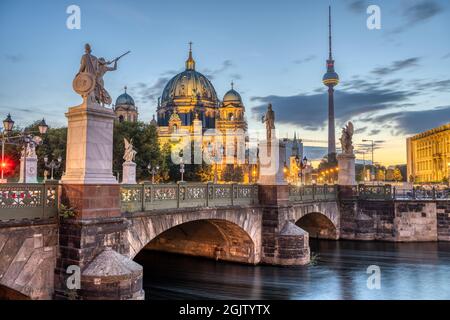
column 346, row 164
column 89, row 145
column 30, row 164
column 129, row 172
column 272, row 163
column 91, row 189
column 283, row 243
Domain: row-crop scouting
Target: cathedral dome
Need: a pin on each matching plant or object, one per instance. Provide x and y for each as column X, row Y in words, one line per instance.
column 232, row 96
column 190, row 85
column 125, row 99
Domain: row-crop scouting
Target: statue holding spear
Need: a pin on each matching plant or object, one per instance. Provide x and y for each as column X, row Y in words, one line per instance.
column 89, row 80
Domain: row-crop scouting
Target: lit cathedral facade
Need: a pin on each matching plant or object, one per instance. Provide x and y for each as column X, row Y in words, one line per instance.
column 189, row 107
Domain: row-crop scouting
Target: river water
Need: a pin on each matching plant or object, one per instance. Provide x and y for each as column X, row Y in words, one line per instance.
column 407, row 271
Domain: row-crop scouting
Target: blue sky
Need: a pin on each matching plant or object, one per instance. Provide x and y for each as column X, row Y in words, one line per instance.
column 394, row 81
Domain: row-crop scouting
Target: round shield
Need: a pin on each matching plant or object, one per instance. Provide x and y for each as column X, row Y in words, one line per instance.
column 83, row 83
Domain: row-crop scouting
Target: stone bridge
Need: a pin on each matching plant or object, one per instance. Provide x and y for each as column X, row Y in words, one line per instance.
column 239, row 223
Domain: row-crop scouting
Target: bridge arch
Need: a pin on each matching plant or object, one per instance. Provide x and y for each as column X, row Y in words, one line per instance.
column 321, row 220
column 318, row 226
column 225, row 234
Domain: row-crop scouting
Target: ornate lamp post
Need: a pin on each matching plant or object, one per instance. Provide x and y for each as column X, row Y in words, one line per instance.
column 52, row 165
column 8, row 124
column 182, row 170
column 301, row 164
column 153, row 170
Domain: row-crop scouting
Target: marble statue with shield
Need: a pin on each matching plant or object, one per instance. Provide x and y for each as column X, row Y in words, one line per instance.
column 129, row 166
column 90, row 125
column 346, row 159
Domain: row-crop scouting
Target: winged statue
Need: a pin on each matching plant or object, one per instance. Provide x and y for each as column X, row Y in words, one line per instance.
column 129, row 153
column 346, row 138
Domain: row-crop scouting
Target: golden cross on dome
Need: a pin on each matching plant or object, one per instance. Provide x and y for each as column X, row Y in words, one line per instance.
column 190, row 45
column 232, row 84
column 125, row 89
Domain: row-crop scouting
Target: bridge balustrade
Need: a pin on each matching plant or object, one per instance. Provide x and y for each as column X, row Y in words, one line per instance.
column 312, row 193
column 373, row 192
column 145, row 197
column 20, row 201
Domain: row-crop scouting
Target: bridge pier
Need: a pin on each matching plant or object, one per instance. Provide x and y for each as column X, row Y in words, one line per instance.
column 283, row 243
column 92, row 241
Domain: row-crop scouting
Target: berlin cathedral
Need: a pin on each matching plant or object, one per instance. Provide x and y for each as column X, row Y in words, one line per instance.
column 189, row 106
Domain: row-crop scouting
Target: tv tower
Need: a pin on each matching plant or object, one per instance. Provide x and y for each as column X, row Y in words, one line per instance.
column 330, row 79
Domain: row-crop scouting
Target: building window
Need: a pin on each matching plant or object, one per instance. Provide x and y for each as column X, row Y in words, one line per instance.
column 121, row 118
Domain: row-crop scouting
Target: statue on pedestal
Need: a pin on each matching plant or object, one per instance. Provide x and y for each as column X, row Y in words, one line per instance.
column 129, row 153
column 129, row 167
column 346, row 138
column 346, row 160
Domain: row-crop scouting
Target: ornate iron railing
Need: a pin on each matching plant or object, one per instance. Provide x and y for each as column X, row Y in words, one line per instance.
column 144, row 197
column 28, row 201
column 312, row 193
column 421, row 193
column 381, row 192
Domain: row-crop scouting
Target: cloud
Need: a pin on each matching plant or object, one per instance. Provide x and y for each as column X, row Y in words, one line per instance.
column 357, row 6
column 236, row 76
column 418, row 12
column 446, row 56
column 211, row 74
column 433, row 85
column 314, row 152
column 310, row 110
column 421, row 11
column 304, row 60
column 14, row 58
column 397, row 66
column 145, row 93
column 411, row 122
column 360, row 130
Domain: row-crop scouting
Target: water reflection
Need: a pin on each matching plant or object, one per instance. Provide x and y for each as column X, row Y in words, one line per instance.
column 408, row 271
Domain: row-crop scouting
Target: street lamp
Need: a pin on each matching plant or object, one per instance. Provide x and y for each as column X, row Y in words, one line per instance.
column 43, row 127
column 182, row 169
column 153, row 171
column 301, row 164
column 52, row 165
column 8, row 124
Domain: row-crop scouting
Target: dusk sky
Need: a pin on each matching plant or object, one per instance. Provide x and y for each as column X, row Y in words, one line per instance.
column 394, row 81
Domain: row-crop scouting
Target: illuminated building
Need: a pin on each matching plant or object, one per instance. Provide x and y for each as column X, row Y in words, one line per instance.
column 125, row 109
column 189, row 107
column 428, row 155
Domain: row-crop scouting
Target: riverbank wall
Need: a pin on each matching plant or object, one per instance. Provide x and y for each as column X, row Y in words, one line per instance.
column 395, row 220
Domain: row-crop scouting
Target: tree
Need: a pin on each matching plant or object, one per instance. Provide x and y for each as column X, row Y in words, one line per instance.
column 233, row 173
column 390, row 174
column 145, row 141
column 398, row 175
column 53, row 146
column 381, row 176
